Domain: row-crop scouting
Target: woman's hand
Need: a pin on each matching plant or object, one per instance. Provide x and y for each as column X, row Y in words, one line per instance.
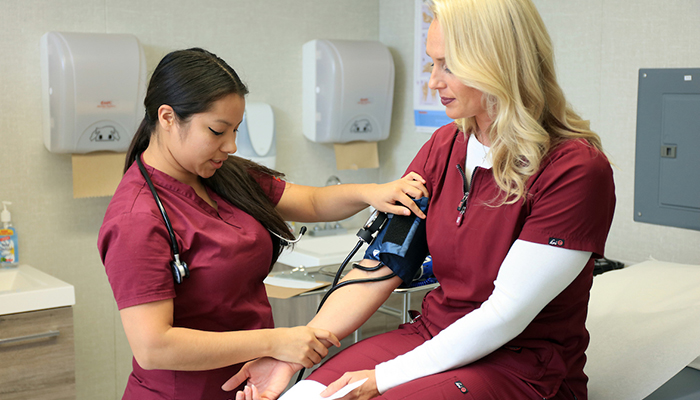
column 265, row 375
column 367, row 390
column 249, row 393
column 302, row 345
column 402, row 191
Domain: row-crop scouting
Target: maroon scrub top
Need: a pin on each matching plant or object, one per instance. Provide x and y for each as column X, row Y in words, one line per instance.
column 569, row 203
column 228, row 253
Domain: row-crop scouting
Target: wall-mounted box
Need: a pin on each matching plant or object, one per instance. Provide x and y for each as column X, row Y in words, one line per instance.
column 347, row 90
column 667, row 159
column 93, row 86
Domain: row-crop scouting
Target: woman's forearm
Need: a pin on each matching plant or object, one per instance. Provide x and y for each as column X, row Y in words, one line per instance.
column 349, row 307
column 192, row 350
column 332, row 203
column 156, row 344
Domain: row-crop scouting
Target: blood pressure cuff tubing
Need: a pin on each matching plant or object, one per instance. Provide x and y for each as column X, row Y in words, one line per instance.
column 401, row 244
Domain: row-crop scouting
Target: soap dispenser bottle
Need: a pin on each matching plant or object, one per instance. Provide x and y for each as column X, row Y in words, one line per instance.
column 8, row 239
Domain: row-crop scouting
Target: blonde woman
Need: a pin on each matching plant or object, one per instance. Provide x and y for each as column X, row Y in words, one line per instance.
column 521, row 202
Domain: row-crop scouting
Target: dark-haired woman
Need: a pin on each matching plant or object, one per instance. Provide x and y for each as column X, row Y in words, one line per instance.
column 227, row 215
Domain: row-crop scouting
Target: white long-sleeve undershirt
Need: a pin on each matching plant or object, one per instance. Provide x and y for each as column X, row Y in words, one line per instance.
column 530, row 276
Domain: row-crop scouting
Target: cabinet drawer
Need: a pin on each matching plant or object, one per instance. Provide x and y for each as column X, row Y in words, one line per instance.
column 37, row 360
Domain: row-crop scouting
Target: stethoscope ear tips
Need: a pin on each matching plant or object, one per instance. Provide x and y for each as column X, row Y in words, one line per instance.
column 286, row 242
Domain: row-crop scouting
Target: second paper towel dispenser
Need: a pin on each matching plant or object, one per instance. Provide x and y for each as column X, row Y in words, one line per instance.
column 348, row 90
column 93, row 85
column 256, row 138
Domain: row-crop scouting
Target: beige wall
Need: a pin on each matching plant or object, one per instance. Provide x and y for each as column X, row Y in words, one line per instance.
column 600, row 46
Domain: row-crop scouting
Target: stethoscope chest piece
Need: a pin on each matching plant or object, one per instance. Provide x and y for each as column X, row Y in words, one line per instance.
column 180, row 270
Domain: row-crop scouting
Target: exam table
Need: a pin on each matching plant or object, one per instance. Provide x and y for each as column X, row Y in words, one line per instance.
column 644, row 322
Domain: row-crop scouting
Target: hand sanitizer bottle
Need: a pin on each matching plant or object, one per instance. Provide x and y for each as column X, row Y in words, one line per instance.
column 8, row 239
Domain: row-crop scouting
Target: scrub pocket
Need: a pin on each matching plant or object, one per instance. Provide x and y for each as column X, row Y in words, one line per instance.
column 541, row 367
column 449, row 388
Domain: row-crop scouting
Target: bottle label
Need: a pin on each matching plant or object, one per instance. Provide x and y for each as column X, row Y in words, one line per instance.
column 7, row 250
column 8, row 253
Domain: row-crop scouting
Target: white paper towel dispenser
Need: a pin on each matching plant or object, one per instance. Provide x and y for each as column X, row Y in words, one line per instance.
column 256, row 135
column 348, row 90
column 93, row 85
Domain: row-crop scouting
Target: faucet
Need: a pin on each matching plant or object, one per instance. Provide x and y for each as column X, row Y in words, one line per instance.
column 329, row 228
column 332, row 180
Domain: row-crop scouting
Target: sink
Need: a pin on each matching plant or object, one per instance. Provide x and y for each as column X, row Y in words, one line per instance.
column 321, row 251
column 26, row 288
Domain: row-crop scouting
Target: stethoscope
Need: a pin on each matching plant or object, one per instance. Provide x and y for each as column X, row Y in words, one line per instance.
column 179, row 268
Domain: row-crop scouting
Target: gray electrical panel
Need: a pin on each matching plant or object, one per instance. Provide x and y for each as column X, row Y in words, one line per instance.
column 667, row 160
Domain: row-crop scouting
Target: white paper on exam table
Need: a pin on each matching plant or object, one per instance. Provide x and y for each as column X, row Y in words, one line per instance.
column 644, row 322
column 311, row 390
column 695, row 364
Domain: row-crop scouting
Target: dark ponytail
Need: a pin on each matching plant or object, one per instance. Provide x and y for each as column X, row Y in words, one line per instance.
column 190, row 81
column 140, row 142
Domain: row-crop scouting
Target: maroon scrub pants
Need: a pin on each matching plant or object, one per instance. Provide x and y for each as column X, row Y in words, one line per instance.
column 478, row 380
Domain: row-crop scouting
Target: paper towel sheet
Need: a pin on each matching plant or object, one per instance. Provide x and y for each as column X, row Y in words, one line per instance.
column 311, row 390
column 356, row 155
column 97, row 174
column 644, row 322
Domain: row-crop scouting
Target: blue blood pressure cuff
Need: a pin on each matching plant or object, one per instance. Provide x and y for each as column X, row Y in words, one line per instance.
column 401, row 244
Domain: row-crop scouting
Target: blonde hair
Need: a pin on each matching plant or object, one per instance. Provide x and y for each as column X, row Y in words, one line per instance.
column 502, row 48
